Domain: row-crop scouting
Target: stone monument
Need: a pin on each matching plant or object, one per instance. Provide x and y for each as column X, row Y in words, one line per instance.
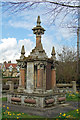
column 37, row 83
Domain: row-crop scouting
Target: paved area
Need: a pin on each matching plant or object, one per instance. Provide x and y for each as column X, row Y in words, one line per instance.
column 46, row 112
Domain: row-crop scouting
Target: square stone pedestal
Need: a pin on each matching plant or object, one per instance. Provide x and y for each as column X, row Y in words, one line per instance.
column 36, row 100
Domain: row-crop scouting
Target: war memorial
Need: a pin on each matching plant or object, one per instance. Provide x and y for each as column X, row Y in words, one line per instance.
column 37, row 82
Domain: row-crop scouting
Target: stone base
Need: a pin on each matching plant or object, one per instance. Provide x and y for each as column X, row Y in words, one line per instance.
column 36, row 100
column 20, row 89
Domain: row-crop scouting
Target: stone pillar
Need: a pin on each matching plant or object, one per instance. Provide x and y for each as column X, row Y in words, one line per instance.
column 22, row 100
column 44, row 80
column 38, row 30
column 40, row 102
column 21, row 87
column 74, row 86
column 22, row 77
column 40, row 76
column 38, row 40
column 30, row 77
column 11, row 84
column 9, row 98
column 53, row 78
column 35, row 77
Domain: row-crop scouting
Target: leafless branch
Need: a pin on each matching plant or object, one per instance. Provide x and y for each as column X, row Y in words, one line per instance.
column 54, row 8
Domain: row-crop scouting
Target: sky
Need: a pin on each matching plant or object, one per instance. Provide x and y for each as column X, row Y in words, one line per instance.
column 17, row 31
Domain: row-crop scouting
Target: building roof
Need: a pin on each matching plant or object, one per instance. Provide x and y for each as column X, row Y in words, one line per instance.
column 7, row 65
column 0, row 65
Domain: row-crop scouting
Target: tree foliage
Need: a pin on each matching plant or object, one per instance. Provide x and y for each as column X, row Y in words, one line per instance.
column 66, row 68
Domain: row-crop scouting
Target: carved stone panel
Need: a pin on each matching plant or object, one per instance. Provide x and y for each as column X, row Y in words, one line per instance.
column 30, row 77
column 22, row 64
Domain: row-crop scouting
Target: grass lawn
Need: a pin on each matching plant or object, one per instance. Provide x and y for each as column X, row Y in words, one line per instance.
column 73, row 96
column 3, row 99
column 70, row 114
column 17, row 115
column 11, row 114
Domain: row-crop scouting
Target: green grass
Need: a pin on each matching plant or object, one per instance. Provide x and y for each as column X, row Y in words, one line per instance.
column 70, row 114
column 73, row 96
column 3, row 99
column 0, row 112
column 11, row 114
column 0, row 99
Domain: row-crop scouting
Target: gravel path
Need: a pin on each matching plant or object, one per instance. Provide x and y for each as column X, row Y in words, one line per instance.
column 46, row 112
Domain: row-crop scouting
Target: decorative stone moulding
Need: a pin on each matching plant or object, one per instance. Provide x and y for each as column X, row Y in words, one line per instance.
column 15, row 99
column 31, row 101
column 41, row 66
column 49, row 101
column 21, row 64
column 38, row 30
column 62, row 99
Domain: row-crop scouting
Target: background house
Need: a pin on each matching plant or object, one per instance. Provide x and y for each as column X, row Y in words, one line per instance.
column 10, row 72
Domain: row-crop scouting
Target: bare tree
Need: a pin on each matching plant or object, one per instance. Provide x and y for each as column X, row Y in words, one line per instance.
column 66, row 68
column 54, row 8
column 67, row 10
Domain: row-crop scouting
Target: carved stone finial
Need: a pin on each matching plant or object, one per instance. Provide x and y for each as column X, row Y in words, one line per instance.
column 23, row 50
column 38, row 30
column 38, row 21
column 53, row 52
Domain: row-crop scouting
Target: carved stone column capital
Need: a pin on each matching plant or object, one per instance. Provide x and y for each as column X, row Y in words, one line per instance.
column 22, row 64
column 40, row 66
column 52, row 67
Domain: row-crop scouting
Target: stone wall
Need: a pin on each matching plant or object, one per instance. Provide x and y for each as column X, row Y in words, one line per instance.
column 68, row 87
